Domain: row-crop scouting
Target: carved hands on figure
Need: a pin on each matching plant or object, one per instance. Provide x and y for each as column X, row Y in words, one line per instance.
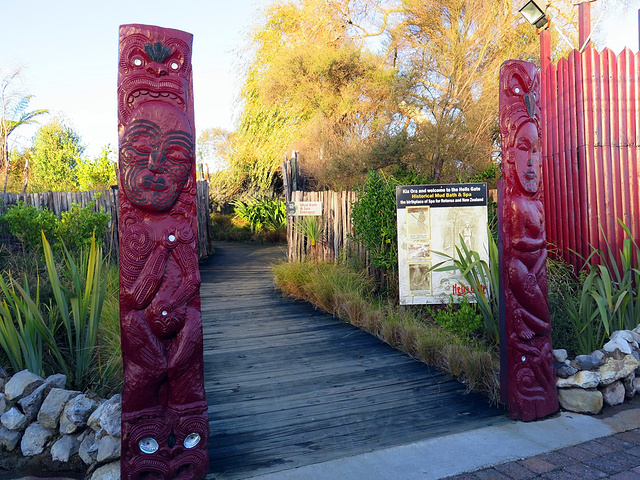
column 144, row 275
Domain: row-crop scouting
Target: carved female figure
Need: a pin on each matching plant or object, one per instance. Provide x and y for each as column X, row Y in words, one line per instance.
column 531, row 376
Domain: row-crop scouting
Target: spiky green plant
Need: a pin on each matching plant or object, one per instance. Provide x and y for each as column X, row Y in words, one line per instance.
column 311, row 227
column 85, row 296
column 23, row 329
column 478, row 273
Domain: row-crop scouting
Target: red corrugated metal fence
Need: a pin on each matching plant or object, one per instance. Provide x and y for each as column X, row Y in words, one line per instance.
column 590, row 107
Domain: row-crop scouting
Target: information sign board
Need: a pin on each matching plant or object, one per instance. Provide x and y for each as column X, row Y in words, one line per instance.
column 431, row 221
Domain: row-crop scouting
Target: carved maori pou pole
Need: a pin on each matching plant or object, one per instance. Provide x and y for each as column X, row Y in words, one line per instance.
column 164, row 410
column 530, row 368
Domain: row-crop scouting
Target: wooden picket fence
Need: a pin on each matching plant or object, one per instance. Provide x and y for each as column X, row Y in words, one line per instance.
column 336, row 218
column 106, row 200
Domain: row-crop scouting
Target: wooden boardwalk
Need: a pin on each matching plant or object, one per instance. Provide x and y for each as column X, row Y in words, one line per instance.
column 289, row 386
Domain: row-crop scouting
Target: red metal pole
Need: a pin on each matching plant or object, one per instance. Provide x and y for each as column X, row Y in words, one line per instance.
column 545, row 54
column 584, row 23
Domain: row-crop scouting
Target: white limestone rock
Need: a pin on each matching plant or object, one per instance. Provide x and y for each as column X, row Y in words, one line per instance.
column 108, row 449
column 617, row 343
column 108, row 416
column 31, row 403
column 580, row 400
column 9, row 439
column 76, row 413
column 613, row 394
column 14, row 419
column 53, row 406
column 582, row 379
column 560, row 355
column 613, row 369
column 22, row 384
column 110, row 471
column 35, row 439
column 64, row 448
column 88, row 450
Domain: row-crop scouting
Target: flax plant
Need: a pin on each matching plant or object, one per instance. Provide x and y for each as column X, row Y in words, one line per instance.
column 312, row 228
column 23, row 328
column 609, row 298
column 85, row 296
column 477, row 273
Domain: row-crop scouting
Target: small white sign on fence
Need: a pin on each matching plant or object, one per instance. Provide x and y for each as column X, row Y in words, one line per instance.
column 303, row 209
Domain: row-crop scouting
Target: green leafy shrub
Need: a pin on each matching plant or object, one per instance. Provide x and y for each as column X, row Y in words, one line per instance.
column 374, row 219
column 462, row 319
column 26, row 222
column 78, row 226
column 75, row 227
column 262, row 214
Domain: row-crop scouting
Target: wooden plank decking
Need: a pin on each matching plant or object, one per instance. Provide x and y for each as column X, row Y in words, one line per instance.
column 289, row 386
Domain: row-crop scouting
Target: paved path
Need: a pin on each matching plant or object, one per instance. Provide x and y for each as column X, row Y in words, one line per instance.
column 289, row 386
column 615, row 456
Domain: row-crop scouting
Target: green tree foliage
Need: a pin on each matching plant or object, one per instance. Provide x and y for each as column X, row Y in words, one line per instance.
column 75, row 227
column 98, row 173
column 310, row 85
column 360, row 84
column 449, row 54
column 214, row 146
column 57, row 149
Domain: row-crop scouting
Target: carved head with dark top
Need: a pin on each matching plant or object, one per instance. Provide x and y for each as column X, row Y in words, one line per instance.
column 520, row 124
column 154, row 64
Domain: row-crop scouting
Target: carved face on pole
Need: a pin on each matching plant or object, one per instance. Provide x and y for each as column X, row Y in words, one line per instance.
column 527, row 156
column 156, row 159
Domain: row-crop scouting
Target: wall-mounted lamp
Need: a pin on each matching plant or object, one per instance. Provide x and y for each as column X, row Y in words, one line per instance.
column 533, row 12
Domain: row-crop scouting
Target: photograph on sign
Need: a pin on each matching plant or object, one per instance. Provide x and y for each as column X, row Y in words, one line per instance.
column 418, row 223
column 432, row 220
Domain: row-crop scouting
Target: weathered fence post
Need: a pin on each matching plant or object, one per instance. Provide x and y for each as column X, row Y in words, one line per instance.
column 164, row 410
column 530, row 371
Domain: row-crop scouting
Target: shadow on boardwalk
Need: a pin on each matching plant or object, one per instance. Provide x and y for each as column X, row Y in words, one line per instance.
column 289, row 386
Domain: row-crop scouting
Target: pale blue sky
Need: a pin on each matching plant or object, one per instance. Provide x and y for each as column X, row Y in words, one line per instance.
column 69, row 53
column 69, row 49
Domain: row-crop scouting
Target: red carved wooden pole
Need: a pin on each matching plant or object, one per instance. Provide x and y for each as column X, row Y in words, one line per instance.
column 530, row 368
column 164, row 410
